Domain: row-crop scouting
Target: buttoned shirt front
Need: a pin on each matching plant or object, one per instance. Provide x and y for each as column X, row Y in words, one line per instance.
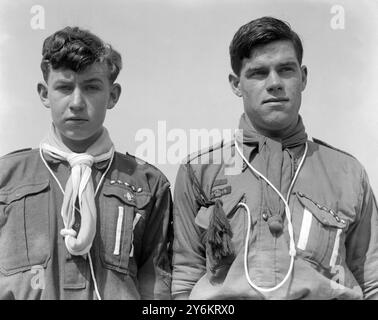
column 334, row 217
column 130, row 250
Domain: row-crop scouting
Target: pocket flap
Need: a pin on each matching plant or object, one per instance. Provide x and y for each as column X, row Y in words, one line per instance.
column 229, row 204
column 323, row 214
column 124, row 194
column 23, row 191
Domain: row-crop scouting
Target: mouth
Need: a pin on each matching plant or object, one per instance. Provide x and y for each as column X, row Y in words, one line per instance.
column 275, row 100
column 76, row 120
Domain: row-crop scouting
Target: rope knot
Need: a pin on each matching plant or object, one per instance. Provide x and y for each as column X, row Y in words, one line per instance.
column 80, row 158
column 68, row 232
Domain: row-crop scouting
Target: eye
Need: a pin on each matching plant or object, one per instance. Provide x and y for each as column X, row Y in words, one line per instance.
column 92, row 87
column 256, row 74
column 64, row 88
column 287, row 69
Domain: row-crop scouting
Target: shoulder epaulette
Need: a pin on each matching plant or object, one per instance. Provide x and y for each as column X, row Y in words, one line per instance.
column 201, row 152
column 18, row 151
column 331, row 147
column 137, row 160
column 142, row 162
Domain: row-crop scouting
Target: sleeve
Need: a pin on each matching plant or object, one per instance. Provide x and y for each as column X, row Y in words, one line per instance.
column 362, row 243
column 154, row 274
column 189, row 259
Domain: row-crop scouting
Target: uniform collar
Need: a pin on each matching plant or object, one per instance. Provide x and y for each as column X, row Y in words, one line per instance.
column 53, row 161
column 249, row 148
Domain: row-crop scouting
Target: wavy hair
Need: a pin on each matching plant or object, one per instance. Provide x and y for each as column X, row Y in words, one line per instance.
column 259, row 32
column 76, row 49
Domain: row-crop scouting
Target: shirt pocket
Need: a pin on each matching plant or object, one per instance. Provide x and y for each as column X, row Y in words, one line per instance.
column 231, row 209
column 320, row 232
column 24, row 228
column 121, row 213
column 238, row 221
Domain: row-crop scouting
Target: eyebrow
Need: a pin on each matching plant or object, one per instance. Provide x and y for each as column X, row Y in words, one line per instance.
column 288, row 64
column 67, row 81
column 279, row 65
column 254, row 69
column 63, row 81
column 93, row 80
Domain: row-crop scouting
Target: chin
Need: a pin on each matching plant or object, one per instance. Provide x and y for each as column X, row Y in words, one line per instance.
column 276, row 126
column 77, row 137
column 277, row 123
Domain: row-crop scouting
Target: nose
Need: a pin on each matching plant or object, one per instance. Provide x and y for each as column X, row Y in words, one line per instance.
column 77, row 102
column 274, row 83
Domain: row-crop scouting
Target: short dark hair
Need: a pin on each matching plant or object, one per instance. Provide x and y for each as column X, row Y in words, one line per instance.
column 76, row 49
column 259, row 32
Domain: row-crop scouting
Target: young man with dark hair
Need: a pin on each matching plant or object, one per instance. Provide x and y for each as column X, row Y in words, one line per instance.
column 79, row 220
column 276, row 216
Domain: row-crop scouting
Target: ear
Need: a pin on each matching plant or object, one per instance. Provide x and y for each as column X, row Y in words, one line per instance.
column 304, row 77
column 115, row 92
column 43, row 91
column 235, row 84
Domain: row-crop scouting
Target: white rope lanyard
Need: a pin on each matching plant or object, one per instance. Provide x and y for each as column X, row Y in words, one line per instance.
column 97, row 188
column 292, row 251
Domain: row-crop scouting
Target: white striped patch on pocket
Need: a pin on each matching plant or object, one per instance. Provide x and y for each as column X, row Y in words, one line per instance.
column 118, row 231
column 305, row 230
column 335, row 251
column 136, row 219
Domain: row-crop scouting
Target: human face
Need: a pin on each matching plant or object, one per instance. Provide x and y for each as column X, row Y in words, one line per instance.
column 78, row 103
column 271, row 82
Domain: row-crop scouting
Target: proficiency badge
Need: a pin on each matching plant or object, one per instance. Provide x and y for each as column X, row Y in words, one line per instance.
column 217, row 193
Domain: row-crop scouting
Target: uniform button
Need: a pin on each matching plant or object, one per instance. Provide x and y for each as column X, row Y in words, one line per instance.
column 265, row 216
column 112, row 182
column 128, row 196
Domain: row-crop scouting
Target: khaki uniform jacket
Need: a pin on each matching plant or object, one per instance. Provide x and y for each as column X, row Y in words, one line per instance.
column 130, row 250
column 334, row 216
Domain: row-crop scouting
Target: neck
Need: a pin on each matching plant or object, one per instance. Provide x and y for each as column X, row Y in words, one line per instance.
column 277, row 135
column 291, row 136
column 79, row 146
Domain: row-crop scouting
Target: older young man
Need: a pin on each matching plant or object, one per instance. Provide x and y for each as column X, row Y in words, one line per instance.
column 276, row 216
column 79, row 220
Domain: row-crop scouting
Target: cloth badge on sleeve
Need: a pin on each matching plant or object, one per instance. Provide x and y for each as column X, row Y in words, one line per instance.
column 217, row 193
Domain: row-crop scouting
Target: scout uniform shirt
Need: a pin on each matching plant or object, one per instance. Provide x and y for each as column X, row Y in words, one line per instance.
column 334, row 218
column 130, row 250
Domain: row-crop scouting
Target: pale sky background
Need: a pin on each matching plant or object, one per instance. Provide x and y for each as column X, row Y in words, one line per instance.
column 176, row 66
